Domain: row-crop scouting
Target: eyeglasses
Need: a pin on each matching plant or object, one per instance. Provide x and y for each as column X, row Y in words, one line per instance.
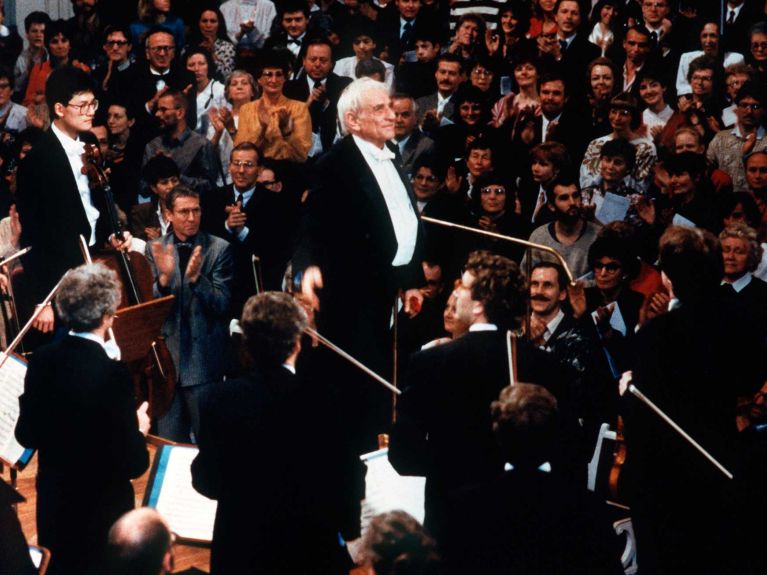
column 247, row 164
column 747, row 106
column 425, row 178
column 620, row 112
column 610, row 267
column 86, row 107
column 759, row 45
column 497, row 190
column 481, row 73
column 186, row 212
column 161, row 49
column 273, row 74
column 116, row 43
column 706, row 78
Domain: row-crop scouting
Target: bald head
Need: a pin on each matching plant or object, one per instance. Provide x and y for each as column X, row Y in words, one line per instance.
column 139, row 544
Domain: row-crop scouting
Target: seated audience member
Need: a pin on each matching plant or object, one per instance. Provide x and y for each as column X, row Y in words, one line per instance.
column 616, row 162
column 570, row 233
column 123, row 156
column 470, row 122
column 757, row 55
column 193, row 153
column 626, row 121
column 493, row 209
column 396, row 544
column 741, row 254
column 734, row 77
column 320, row 87
column 525, row 94
column 240, row 88
column 34, row 52
column 707, row 89
column 741, row 208
column 478, row 160
column 279, row 126
column 440, row 104
column 364, row 45
column 547, row 161
column 109, row 77
column 468, row 42
column 208, row 89
column 603, row 85
column 208, row 30
column 418, row 78
column 140, row 543
column 453, row 325
column 483, row 76
column 264, row 518
column 58, row 37
column 443, row 424
column 289, row 29
column 690, row 200
column 509, row 38
column 651, row 89
column 410, row 140
column 688, row 139
column 73, row 387
column 370, row 68
column 149, row 220
column 13, row 117
column 728, row 147
column 605, row 21
column 529, row 519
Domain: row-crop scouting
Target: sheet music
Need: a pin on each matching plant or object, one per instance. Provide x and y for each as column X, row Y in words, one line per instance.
column 387, row 490
column 11, row 387
column 189, row 514
column 611, row 207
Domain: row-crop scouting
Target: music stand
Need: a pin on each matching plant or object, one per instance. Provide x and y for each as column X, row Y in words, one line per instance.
column 137, row 326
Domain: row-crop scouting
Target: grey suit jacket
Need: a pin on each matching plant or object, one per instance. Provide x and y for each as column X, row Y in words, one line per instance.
column 205, row 304
column 418, row 144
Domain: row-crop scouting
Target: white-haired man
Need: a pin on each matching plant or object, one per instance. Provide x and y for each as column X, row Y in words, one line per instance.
column 362, row 243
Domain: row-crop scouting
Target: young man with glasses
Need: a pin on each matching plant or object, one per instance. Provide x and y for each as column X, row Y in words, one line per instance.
column 54, row 198
column 729, row 147
column 109, row 75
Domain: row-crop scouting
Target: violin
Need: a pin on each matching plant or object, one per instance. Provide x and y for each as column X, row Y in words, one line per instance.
column 154, row 377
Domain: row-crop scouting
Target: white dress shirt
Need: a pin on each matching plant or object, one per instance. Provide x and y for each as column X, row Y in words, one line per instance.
column 401, row 212
column 74, row 152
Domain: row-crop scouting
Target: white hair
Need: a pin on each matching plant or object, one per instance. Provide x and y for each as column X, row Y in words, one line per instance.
column 351, row 100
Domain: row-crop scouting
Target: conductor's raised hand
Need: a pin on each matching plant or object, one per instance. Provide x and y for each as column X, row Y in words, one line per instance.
column 165, row 260
column 194, row 267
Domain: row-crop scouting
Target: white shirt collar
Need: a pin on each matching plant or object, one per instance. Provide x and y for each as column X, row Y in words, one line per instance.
column 290, row 368
column 552, row 326
column 481, row 326
column 71, row 146
column 158, row 73
column 739, row 284
column 311, row 81
column 110, row 347
column 759, row 131
column 372, row 151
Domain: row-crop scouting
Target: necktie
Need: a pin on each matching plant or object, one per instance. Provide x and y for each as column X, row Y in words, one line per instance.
column 241, row 199
column 731, row 17
column 407, row 32
column 292, row 40
column 563, row 45
column 315, row 110
column 654, row 37
column 184, row 253
column 550, row 130
column 539, row 204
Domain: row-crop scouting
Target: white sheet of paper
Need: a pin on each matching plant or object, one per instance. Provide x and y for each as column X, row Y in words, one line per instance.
column 611, row 207
column 189, row 514
column 387, row 490
column 616, row 319
column 11, row 387
column 682, row 221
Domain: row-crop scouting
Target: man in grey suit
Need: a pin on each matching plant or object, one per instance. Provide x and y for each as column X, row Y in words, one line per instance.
column 197, row 268
column 410, row 140
column 434, row 107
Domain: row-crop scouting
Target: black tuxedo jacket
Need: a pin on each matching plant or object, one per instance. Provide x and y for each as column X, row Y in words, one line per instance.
column 254, row 457
column 298, row 89
column 443, row 429
column 52, row 214
column 573, row 62
column 572, row 131
column 78, row 410
column 349, row 234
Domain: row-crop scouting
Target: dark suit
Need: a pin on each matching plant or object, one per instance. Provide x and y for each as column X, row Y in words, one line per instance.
column 324, row 114
column 279, row 499
column 52, row 214
column 430, row 103
column 443, row 428
column 575, row 59
column 143, row 216
column 78, row 411
column 270, row 237
column 528, row 521
column 752, row 298
column 693, row 362
column 196, row 328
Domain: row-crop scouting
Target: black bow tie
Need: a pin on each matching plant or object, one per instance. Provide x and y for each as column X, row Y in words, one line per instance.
column 294, row 41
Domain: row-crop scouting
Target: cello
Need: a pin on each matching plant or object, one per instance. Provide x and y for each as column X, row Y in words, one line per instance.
column 154, row 377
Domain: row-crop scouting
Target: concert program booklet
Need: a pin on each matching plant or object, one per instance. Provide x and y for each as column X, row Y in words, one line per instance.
column 11, row 387
column 169, row 490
